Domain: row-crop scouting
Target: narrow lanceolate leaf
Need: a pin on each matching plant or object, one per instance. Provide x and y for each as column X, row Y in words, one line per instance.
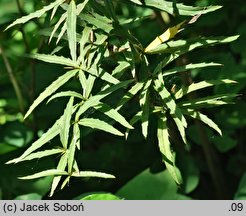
column 89, row 85
column 75, row 166
column 65, row 123
column 39, row 154
column 97, row 22
column 45, row 173
column 51, row 89
column 61, row 166
column 145, row 116
column 54, row 12
column 201, row 85
column 165, row 149
column 94, row 100
column 174, row 109
column 92, row 174
column 46, row 137
column 102, row 74
column 176, row 8
column 167, row 60
column 62, row 32
column 71, row 29
column 86, row 83
column 84, row 39
column 81, row 7
column 55, row 60
column 135, row 118
column 168, row 100
column 167, row 35
column 76, row 136
column 100, row 125
column 203, row 118
column 71, row 158
column 181, row 46
column 121, row 68
column 36, row 14
column 130, row 94
column 72, row 147
column 207, row 101
column 112, row 113
column 57, row 25
column 65, row 182
column 189, row 67
column 144, row 103
column 66, row 94
column 83, row 81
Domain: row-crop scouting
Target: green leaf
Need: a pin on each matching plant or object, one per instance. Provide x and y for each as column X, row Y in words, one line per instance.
column 87, row 88
column 241, row 190
column 170, row 103
column 149, row 186
column 93, row 58
column 40, row 154
column 121, row 68
column 203, row 118
column 36, row 14
column 165, row 149
column 99, row 72
column 57, row 25
column 71, row 29
column 30, row 196
column 100, row 125
column 132, row 92
column 66, row 122
column 46, row 137
column 61, row 166
column 72, row 147
column 55, row 60
column 81, row 6
column 167, row 60
column 190, row 173
column 98, row 21
column 66, row 181
column 95, row 100
column 181, row 46
column 92, row 174
column 54, row 12
column 100, row 196
column 62, row 32
column 75, row 165
column 207, row 101
column 144, row 103
column 176, row 8
column 112, row 113
column 51, row 89
column 189, row 67
column 66, row 94
column 201, row 85
column 83, row 82
column 84, row 39
column 51, row 172
column 137, row 117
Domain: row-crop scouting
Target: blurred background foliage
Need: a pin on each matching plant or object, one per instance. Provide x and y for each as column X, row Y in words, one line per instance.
column 137, row 162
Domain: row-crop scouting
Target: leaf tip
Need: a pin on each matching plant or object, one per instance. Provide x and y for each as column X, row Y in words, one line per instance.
column 26, row 115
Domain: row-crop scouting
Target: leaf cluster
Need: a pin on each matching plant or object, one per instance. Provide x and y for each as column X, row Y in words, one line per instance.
column 104, row 52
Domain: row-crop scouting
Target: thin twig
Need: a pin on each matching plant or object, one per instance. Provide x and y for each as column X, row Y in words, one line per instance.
column 13, row 81
column 21, row 28
column 32, row 67
column 211, row 157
